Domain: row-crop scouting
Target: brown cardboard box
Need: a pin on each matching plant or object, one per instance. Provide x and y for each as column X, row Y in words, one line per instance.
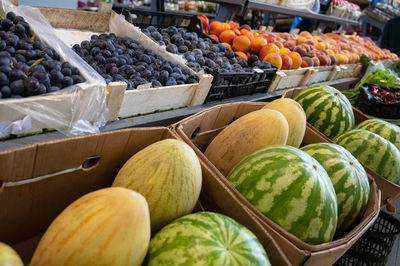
column 200, row 129
column 390, row 191
column 38, row 181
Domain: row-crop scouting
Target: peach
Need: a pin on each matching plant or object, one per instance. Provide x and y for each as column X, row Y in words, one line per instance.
column 279, row 44
column 226, row 26
column 316, row 37
column 227, row 36
column 268, row 49
column 316, row 61
column 320, row 46
column 324, row 60
column 233, row 25
column 301, row 40
column 242, row 55
column 330, row 52
column 285, row 35
column 290, row 44
column 334, row 59
column 307, row 62
column 215, row 37
column 247, row 33
column 271, row 38
column 296, row 59
column 284, row 51
column 287, row 62
column 241, row 43
column 215, row 28
column 257, row 44
column 275, row 59
column 236, row 31
column 305, row 34
column 310, row 42
column 227, row 45
column 301, row 50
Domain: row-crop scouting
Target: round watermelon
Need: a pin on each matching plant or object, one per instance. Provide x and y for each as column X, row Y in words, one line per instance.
column 205, row 238
column 292, row 189
column 382, row 128
column 374, row 151
column 349, row 180
column 327, row 109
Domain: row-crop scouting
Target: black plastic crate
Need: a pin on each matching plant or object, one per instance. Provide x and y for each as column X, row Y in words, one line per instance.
column 225, row 85
column 374, row 247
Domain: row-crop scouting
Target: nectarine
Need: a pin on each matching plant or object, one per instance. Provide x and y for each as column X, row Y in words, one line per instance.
column 227, row 36
column 268, row 49
column 215, row 28
column 296, row 59
column 241, row 43
column 257, row 44
column 242, row 55
column 287, row 62
column 275, row 59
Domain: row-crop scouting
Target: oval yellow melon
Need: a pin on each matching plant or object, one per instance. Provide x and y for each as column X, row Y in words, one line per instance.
column 110, row 226
column 295, row 117
column 168, row 174
column 8, row 256
column 246, row 135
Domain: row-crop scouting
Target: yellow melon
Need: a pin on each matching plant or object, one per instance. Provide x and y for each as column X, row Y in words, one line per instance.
column 8, row 256
column 246, row 135
column 168, row 174
column 107, row 227
column 295, row 116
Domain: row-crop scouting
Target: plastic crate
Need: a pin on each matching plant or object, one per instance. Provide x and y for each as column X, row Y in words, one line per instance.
column 374, row 247
column 224, row 85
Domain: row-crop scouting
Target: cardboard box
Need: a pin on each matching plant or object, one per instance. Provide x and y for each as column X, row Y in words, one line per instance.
column 40, row 180
column 200, row 129
column 390, row 191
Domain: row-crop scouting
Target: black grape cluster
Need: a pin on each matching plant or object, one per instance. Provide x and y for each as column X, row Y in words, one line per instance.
column 27, row 66
column 123, row 59
column 200, row 53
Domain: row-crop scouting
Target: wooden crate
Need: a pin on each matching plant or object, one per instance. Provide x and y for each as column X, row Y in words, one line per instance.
column 348, row 71
column 284, row 79
column 139, row 101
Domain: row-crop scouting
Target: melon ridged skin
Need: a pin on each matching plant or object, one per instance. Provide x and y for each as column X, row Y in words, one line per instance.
column 374, row 151
column 349, row 180
column 382, row 128
column 295, row 117
column 327, row 109
column 290, row 188
column 205, row 239
column 244, row 136
column 109, row 226
column 8, row 256
column 168, row 174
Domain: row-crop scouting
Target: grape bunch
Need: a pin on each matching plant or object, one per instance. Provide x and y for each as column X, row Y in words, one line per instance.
column 27, row 66
column 123, row 59
column 199, row 52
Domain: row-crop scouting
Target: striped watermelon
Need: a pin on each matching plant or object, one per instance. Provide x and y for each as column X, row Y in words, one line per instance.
column 327, row 109
column 205, row 238
column 374, row 151
column 292, row 189
column 349, row 180
column 384, row 129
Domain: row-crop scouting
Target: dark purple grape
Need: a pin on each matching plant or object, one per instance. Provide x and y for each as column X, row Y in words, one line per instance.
column 75, row 71
column 22, row 66
column 31, row 84
column 17, row 86
column 5, row 69
column 42, row 77
column 4, row 61
column 10, row 50
column 114, row 70
column 5, row 91
column 66, row 71
column 55, row 65
column 38, row 67
column 3, row 79
column 11, row 16
column 19, row 29
column 16, row 74
column 77, row 79
column 66, row 65
column 27, row 93
column 6, row 24
column 67, row 81
column 38, row 45
column 156, row 83
column 11, row 42
column 42, row 89
column 170, row 82
column 20, row 58
column 56, row 76
column 3, row 45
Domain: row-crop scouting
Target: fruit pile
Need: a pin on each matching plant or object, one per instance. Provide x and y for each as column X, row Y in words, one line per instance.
column 386, row 95
column 153, row 194
column 200, row 53
column 378, row 53
column 123, row 59
column 259, row 154
column 374, row 142
column 27, row 66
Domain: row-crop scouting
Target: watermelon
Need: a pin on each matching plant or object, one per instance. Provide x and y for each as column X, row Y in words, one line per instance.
column 292, row 189
column 349, row 180
column 205, row 238
column 374, row 151
column 327, row 109
column 384, row 129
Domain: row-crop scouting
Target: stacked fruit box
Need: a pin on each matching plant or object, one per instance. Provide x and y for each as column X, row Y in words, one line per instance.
column 234, row 74
column 145, row 93
column 373, row 141
column 223, row 135
column 80, row 181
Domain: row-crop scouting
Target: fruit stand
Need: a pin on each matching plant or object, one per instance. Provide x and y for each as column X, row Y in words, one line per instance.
column 183, row 140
